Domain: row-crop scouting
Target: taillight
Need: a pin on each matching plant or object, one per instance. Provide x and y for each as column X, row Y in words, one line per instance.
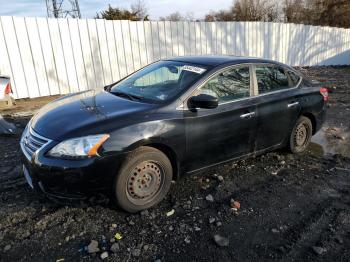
column 324, row 93
column 8, row 89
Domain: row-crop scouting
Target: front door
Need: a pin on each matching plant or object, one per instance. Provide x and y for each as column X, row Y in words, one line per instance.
column 228, row 131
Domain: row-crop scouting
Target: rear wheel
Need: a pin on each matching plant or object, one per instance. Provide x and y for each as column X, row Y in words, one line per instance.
column 143, row 180
column 301, row 135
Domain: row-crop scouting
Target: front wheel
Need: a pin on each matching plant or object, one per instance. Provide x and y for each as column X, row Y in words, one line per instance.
column 301, row 135
column 143, row 180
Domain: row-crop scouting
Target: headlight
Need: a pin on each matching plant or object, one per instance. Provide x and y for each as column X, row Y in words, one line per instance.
column 86, row 146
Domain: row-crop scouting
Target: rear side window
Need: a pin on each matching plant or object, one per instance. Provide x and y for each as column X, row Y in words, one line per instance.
column 271, row 78
column 294, row 78
column 229, row 85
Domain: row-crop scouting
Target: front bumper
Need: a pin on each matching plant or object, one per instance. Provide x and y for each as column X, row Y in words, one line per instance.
column 70, row 179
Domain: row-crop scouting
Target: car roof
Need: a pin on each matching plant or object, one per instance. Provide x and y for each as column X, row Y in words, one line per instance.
column 216, row 60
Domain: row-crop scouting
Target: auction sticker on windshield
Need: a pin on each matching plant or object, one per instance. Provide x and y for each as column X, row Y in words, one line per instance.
column 193, row 69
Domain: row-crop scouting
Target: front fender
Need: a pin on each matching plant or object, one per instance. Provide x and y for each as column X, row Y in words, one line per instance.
column 170, row 133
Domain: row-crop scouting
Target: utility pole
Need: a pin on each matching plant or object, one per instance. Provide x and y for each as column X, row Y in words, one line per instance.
column 63, row 8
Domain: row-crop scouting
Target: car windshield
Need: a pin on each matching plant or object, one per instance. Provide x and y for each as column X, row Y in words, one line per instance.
column 159, row 82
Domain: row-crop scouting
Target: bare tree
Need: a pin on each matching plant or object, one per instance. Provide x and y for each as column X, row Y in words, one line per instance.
column 176, row 16
column 137, row 12
column 117, row 14
column 189, row 16
column 246, row 10
column 294, row 11
column 140, row 9
column 223, row 15
column 330, row 12
column 318, row 12
column 255, row 10
column 210, row 17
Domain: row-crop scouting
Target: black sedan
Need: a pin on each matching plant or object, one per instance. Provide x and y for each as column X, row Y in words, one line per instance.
column 171, row 117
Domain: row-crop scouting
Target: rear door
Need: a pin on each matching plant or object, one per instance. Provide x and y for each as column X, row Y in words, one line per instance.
column 277, row 104
column 216, row 135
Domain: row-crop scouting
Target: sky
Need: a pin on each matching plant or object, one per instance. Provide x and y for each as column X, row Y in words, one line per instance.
column 156, row 8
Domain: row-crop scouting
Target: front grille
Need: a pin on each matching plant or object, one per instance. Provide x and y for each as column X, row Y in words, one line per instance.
column 32, row 142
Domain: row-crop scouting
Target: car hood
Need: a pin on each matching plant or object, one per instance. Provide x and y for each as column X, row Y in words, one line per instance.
column 86, row 113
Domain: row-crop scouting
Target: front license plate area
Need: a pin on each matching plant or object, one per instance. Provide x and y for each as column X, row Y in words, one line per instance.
column 27, row 176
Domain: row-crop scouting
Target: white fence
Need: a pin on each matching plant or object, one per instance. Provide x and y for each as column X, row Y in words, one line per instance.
column 58, row 56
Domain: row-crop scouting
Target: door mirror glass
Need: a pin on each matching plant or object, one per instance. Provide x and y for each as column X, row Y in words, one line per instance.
column 203, row 101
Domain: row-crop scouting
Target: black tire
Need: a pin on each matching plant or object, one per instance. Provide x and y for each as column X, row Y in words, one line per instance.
column 143, row 180
column 301, row 135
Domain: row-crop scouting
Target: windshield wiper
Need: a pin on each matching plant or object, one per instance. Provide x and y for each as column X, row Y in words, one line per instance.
column 128, row 96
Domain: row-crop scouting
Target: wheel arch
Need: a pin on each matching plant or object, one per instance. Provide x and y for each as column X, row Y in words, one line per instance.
column 312, row 119
column 171, row 154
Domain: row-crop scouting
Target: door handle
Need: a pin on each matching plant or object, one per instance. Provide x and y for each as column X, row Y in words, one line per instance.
column 293, row 104
column 247, row 115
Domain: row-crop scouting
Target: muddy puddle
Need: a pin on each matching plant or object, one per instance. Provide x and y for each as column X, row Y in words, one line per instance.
column 330, row 141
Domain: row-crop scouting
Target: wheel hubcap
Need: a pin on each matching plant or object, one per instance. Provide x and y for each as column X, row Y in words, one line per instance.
column 301, row 135
column 145, row 180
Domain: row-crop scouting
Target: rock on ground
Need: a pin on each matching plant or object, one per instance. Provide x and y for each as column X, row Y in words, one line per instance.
column 221, row 241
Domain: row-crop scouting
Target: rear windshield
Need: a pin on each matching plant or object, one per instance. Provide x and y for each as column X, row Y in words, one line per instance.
column 160, row 81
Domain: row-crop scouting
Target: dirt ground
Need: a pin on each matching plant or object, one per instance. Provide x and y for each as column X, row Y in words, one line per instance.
column 292, row 207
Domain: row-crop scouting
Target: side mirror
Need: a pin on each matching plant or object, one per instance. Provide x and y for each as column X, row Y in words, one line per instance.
column 203, row 101
column 108, row 87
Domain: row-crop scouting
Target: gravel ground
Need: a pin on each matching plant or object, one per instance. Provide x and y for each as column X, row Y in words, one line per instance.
column 288, row 207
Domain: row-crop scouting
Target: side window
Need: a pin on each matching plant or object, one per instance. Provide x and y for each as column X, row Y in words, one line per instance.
column 271, row 78
column 294, row 78
column 229, row 85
